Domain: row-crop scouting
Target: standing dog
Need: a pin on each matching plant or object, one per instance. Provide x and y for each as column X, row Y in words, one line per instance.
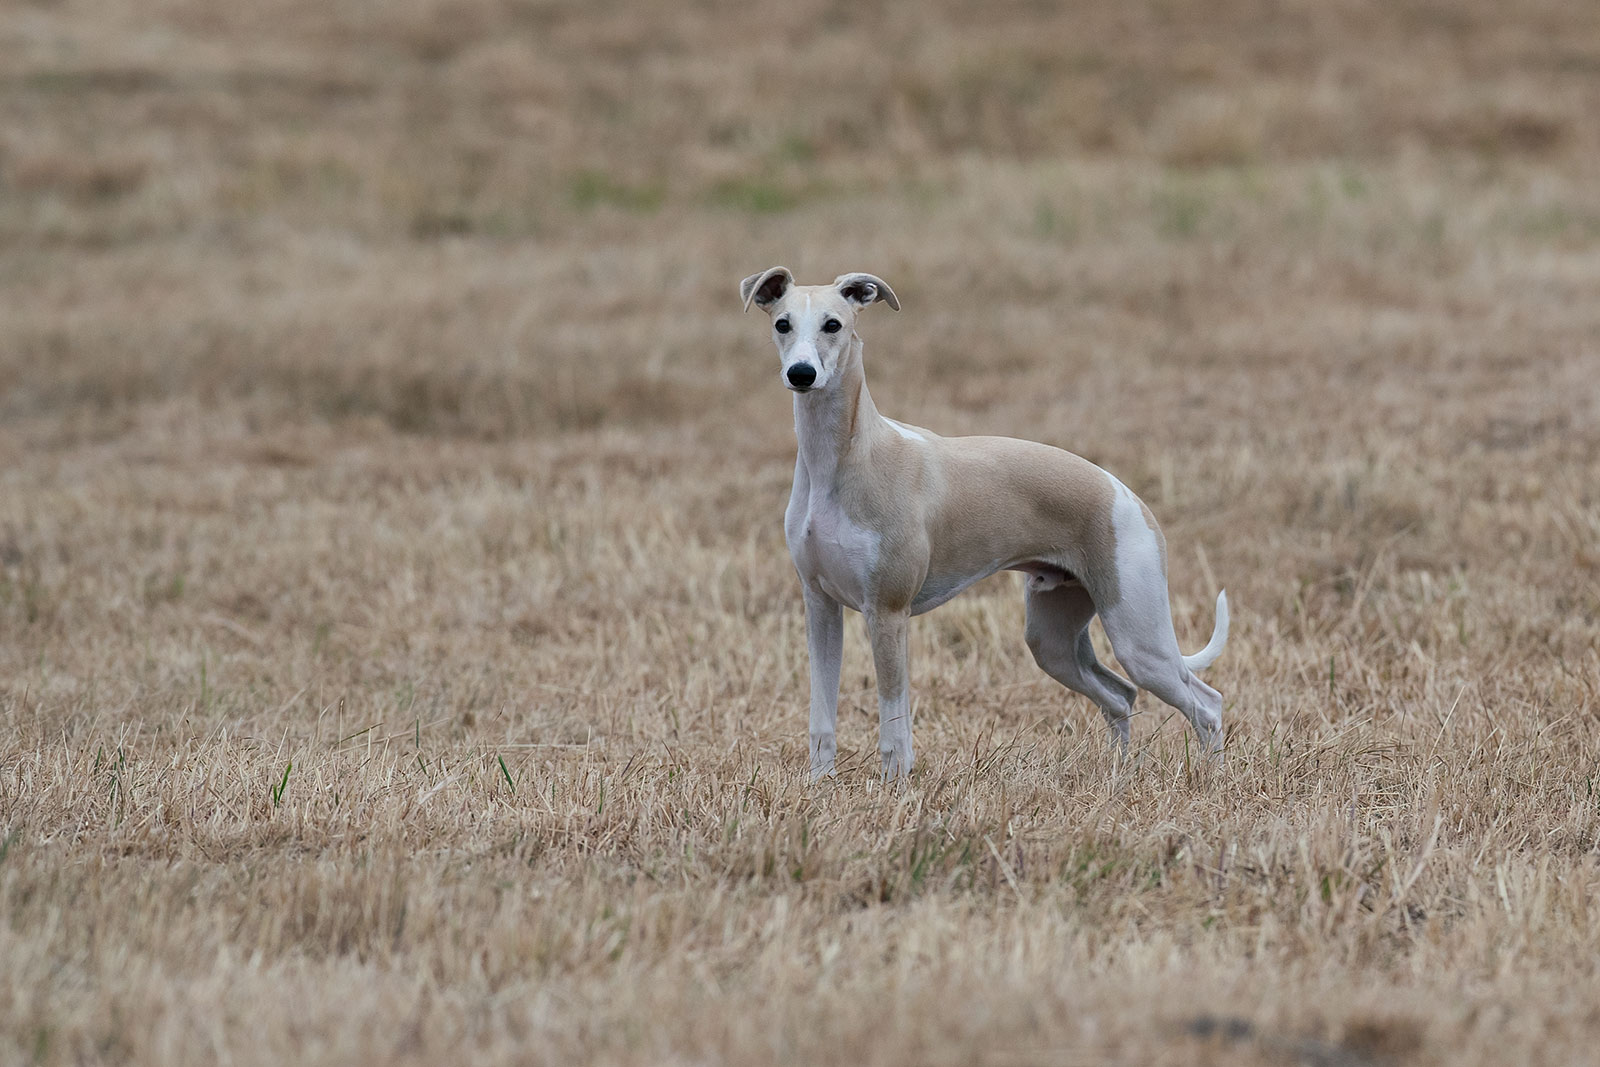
column 893, row 520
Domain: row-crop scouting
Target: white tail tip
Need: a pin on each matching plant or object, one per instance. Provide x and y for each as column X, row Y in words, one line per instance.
column 1219, row 637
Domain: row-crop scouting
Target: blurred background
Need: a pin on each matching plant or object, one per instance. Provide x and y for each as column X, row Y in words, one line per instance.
column 485, row 217
column 1319, row 274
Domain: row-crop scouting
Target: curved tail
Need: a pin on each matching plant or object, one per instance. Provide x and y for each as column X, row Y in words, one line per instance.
column 1219, row 637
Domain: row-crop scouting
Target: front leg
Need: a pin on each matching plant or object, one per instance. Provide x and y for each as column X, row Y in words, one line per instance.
column 825, row 643
column 888, row 631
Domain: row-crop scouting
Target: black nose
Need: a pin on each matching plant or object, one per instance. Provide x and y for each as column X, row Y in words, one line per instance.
column 801, row 375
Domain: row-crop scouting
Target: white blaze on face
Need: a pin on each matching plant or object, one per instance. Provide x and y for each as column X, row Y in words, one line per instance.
column 804, row 349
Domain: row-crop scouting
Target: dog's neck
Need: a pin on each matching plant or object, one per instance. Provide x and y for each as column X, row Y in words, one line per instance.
column 829, row 422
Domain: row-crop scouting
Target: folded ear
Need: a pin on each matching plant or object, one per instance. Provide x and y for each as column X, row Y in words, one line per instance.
column 864, row 289
column 766, row 288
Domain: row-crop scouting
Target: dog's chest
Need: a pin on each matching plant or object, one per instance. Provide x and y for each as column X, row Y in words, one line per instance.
column 830, row 550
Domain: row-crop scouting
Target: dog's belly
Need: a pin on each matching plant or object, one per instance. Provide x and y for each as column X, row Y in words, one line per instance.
column 941, row 588
column 1042, row 577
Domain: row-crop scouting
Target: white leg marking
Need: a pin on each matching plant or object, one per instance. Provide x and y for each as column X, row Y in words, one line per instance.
column 1140, row 625
column 825, row 644
column 889, row 653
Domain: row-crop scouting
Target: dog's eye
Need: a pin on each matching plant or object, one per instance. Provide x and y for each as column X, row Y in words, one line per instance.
column 782, row 326
column 831, row 326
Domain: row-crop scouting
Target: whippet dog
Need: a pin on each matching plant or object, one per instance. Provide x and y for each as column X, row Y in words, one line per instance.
column 893, row 520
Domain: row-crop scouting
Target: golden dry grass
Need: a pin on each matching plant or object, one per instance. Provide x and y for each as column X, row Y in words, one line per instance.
column 399, row 658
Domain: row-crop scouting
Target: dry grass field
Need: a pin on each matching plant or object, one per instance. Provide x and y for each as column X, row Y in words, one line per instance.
column 399, row 658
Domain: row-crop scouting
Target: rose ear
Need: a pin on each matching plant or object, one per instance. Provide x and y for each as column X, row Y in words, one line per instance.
column 864, row 289
column 766, row 288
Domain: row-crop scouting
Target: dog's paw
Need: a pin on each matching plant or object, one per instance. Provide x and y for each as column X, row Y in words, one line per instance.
column 897, row 762
column 1211, row 745
column 1121, row 733
column 824, row 750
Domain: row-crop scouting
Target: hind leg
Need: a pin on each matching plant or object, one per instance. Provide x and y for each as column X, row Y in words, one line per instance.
column 1058, row 636
column 1140, row 629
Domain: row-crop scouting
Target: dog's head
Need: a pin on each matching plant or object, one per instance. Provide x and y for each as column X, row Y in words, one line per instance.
column 812, row 325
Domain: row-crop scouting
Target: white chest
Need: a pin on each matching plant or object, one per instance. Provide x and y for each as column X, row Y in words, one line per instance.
column 831, row 552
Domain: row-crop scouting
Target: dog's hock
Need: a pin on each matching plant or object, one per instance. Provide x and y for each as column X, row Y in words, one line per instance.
column 766, row 287
column 864, row 289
